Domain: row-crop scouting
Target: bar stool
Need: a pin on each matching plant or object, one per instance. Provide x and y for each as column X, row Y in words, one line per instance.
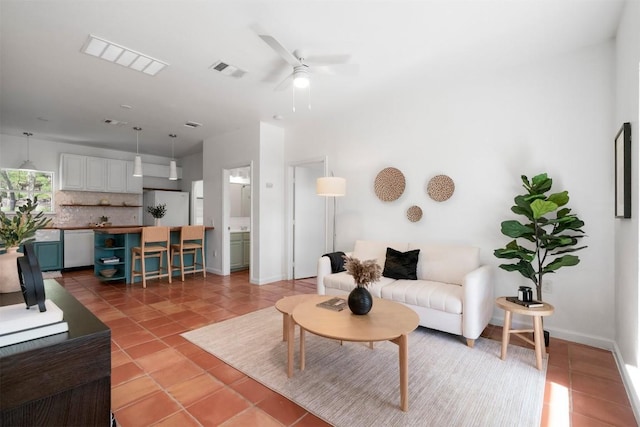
column 154, row 242
column 191, row 240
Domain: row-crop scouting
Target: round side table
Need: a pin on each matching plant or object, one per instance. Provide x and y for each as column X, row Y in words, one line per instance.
column 536, row 313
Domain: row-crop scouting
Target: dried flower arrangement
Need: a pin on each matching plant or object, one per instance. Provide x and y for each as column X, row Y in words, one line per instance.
column 363, row 272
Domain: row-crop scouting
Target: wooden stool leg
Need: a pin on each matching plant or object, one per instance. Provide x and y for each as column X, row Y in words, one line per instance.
column 505, row 333
column 538, row 338
column 204, row 269
column 143, row 268
column 169, row 272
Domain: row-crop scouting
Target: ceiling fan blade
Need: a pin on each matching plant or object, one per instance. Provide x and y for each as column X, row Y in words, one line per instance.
column 281, row 50
column 326, row 59
column 284, row 83
column 337, row 69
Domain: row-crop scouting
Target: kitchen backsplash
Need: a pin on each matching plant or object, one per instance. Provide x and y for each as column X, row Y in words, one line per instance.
column 78, row 216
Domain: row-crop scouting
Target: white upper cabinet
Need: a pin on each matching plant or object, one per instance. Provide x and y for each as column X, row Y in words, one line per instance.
column 116, row 176
column 72, row 172
column 95, row 177
column 85, row 173
column 134, row 183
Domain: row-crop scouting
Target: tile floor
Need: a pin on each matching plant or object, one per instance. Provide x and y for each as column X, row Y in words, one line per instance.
column 159, row 378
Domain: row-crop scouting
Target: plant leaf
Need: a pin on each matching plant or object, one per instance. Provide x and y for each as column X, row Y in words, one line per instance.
column 563, row 261
column 542, row 207
column 514, row 229
column 559, row 199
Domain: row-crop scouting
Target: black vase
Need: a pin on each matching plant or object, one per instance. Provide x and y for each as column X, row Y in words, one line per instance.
column 360, row 300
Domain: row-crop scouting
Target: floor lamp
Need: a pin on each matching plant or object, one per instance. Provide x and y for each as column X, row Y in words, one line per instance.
column 332, row 186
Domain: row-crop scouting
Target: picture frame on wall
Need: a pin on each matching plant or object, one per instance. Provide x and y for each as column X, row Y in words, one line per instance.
column 622, row 144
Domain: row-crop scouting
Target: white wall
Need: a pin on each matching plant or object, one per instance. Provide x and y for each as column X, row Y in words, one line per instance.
column 626, row 230
column 484, row 130
column 228, row 151
column 271, row 262
column 191, row 170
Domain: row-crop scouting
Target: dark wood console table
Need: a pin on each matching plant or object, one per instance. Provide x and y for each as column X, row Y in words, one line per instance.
column 63, row 379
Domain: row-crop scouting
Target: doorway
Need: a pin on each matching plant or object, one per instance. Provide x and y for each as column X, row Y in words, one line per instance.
column 237, row 238
column 308, row 225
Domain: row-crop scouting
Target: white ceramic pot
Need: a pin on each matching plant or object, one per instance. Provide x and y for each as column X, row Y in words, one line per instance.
column 9, row 280
column 156, row 222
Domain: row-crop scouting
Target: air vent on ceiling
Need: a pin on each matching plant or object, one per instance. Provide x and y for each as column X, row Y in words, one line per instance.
column 115, row 122
column 228, row 69
column 193, row 125
column 116, row 54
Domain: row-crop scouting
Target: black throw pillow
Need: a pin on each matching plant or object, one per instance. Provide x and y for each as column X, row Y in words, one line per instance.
column 401, row 265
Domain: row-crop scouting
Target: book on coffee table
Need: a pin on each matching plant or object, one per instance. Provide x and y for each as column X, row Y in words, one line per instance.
column 528, row 304
column 335, row 304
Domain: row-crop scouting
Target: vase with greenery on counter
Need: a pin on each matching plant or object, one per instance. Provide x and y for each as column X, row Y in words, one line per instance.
column 157, row 212
column 14, row 231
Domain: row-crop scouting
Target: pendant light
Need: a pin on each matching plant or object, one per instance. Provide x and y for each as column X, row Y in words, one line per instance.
column 173, row 173
column 27, row 165
column 137, row 163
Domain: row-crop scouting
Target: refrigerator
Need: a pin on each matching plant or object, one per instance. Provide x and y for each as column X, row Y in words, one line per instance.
column 177, row 207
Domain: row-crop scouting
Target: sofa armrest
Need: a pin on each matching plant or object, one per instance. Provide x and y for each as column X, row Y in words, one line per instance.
column 324, row 269
column 477, row 302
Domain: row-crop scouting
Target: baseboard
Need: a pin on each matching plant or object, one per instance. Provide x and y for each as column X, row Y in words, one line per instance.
column 627, row 379
column 590, row 340
column 214, row 271
column 266, row 281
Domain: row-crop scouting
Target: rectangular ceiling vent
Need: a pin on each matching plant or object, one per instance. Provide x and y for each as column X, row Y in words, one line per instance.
column 117, row 54
column 228, row 69
column 115, row 122
column 193, row 125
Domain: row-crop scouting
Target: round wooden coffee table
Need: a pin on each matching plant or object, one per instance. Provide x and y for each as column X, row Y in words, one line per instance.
column 387, row 321
column 285, row 306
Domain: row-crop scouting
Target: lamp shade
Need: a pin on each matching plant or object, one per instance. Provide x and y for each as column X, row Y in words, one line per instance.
column 331, row 186
column 137, row 166
column 173, row 173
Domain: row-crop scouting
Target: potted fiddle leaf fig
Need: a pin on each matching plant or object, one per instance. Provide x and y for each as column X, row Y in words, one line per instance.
column 543, row 242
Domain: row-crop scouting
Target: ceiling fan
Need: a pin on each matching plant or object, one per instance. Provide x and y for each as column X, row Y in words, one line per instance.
column 304, row 65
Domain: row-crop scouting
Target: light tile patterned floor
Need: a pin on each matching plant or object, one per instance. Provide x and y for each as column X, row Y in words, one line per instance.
column 159, row 378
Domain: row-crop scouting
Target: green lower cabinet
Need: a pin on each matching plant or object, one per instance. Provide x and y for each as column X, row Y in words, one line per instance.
column 239, row 251
column 49, row 255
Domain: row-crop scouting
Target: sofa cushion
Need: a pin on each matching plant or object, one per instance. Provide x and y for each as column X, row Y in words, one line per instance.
column 369, row 249
column 401, row 265
column 424, row 293
column 446, row 263
column 344, row 282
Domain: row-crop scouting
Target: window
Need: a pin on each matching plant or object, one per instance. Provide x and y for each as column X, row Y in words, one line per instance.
column 18, row 185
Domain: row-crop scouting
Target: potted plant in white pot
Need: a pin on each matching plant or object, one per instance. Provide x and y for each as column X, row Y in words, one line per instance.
column 549, row 233
column 14, row 231
column 157, row 212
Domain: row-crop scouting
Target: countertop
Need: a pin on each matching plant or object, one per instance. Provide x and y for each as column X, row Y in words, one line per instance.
column 130, row 229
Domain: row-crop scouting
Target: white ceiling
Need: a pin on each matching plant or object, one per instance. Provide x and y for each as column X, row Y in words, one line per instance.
column 50, row 88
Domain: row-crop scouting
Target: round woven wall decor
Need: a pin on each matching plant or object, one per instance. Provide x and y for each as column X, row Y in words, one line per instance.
column 389, row 184
column 440, row 188
column 414, row 213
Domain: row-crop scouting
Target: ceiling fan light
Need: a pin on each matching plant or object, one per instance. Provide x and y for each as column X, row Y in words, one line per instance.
column 300, row 79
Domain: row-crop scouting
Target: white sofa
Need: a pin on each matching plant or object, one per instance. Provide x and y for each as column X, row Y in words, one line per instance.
column 453, row 292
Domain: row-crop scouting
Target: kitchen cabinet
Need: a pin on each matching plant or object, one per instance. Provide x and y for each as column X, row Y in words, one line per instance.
column 116, row 176
column 96, row 172
column 133, row 183
column 240, row 250
column 86, row 173
column 49, row 255
column 72, row 172
column 110, row 246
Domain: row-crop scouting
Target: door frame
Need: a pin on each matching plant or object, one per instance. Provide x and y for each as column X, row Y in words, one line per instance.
column 290, row 230
column 225, row 250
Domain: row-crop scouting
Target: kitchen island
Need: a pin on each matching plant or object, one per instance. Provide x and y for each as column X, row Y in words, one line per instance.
column 116, row 242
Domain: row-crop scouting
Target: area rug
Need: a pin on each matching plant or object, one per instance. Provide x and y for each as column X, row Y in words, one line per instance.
column 450, row 384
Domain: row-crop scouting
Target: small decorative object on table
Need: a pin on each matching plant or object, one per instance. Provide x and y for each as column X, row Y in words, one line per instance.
column 364, row 273
column 157, row 211
column 335, row 304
